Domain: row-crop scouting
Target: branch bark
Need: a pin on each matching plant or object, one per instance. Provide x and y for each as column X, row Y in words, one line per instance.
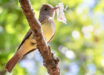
column 49, row 61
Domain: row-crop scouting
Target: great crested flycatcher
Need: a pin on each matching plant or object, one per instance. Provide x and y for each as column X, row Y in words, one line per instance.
column 28, row 44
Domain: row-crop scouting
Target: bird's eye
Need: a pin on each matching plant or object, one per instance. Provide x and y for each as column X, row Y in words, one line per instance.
column 46, row 9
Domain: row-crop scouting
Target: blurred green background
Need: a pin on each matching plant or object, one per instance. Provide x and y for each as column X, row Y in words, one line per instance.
column 79, row 44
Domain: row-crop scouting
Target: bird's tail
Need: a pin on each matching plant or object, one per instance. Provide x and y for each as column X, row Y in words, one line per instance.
column 12, row 62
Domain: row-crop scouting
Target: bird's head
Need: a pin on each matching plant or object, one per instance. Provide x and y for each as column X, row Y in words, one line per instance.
column 47, row 10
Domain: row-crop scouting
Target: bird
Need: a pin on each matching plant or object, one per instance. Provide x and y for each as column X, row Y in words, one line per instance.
column 29, row 44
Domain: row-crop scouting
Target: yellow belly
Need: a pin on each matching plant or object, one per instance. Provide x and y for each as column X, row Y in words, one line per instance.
column 47, row 31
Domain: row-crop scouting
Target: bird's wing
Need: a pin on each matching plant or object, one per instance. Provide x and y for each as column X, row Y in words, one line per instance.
column 26, row 46
column 26, row 36
column 51, row 38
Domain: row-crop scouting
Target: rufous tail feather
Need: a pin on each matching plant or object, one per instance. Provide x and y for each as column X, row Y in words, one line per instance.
column 12, row 62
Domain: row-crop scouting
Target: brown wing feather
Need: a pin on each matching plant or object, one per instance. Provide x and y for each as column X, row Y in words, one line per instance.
column 24, row 48
column 51, row 38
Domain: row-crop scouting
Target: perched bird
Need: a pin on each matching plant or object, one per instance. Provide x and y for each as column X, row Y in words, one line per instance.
column 46, row 18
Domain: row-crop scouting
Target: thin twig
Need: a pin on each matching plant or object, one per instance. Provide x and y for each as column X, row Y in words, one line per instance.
column 49, row 61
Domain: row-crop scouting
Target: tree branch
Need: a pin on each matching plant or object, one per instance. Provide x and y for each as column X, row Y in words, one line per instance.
column 49, row 61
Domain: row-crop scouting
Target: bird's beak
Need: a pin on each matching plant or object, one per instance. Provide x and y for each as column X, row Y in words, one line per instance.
column 55, row 8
